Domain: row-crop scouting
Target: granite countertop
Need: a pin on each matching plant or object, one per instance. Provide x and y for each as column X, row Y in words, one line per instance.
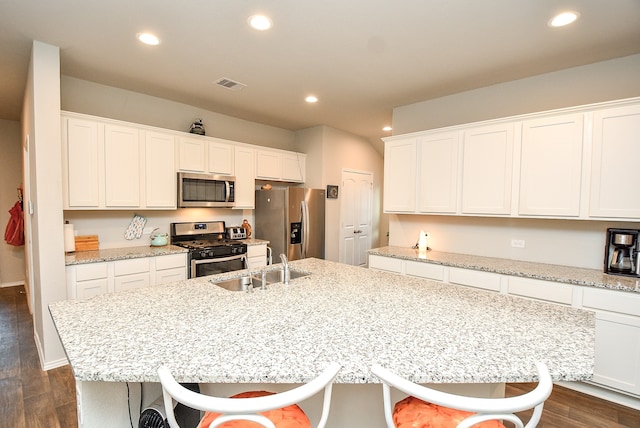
column 424, row 330
column 113, row 254
column 123, row 253
column 557, row 273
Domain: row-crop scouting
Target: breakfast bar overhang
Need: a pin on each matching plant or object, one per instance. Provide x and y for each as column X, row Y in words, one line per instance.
column 429, row 332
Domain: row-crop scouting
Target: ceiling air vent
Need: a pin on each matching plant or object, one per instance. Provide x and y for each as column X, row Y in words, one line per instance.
column 230, row 84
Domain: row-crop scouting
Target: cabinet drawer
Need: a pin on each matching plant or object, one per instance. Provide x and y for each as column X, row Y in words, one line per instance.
column 87, row 289
column 130, row 282
column 91, row 271
column 256, row 251
column 424, row 270
column 610, row 300
column 385, row 263
column 171, row 275
column 171, row 261
column 127, row 267
column 542, row 290
column 474, row 278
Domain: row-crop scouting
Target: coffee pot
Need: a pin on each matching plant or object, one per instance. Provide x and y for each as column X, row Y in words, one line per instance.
column 621, row 255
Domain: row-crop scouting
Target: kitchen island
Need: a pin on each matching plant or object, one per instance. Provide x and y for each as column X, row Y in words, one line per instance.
column 424, row 330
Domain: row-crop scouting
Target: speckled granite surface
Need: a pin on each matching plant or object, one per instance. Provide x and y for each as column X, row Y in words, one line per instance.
column 113, row 254
column 565, row 274
column 424, row 330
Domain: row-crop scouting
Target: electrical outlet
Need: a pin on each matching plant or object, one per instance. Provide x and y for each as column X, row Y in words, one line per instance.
column 517, row 243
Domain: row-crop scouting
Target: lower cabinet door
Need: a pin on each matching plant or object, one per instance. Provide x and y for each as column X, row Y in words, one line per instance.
column 131, row 282
column 95, row 287
column 617, row 352
column 171, row 275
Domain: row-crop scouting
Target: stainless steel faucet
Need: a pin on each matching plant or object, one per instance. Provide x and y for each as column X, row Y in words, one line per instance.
column 285, row 269
column 250, row 285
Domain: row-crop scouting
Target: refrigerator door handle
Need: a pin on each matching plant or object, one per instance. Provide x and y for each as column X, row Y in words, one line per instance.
column 305, row 228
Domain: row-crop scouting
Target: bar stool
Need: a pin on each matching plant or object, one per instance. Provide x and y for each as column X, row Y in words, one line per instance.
column 269, row 410
column 456, row 410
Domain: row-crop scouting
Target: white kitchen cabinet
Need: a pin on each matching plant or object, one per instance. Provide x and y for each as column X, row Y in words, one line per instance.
column 293, row 167
column 245, row 173
column 438, row 172
column 388, row 264
column 160, row 178
column 170, row 268
column 257, row 256
column 192, row 154
column 84, row 281
column 220, row 156
column 617, row 338
column 424, row 270
column 123, row 158
column 473, row 278
column 400, row 175
column 82, row 163
column 280, row 165
column 551, row 166
column 614, row 163
column 131, row 274
column 540, row 290
column 92, row 279
column 487, row 169
column 111, row 166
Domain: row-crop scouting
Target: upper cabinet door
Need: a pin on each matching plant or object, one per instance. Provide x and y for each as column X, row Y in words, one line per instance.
column 400, row 175
column 245, row 172
column 268, row 164
column 551, row 166
column 615, row 160
column 122, row 155
column 160, row 170
column 438, row 173
column 293, row 167
column 487, row 169
column 83, row 164
column 220, row 158
column 192, row 154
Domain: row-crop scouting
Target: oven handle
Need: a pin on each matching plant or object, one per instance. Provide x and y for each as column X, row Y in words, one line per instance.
column 194, row 263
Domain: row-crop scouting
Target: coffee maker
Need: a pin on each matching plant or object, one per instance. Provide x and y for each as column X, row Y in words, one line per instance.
column 621, row 252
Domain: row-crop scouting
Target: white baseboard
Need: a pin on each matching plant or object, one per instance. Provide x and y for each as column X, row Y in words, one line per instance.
column 603, row 393
column 11, row 284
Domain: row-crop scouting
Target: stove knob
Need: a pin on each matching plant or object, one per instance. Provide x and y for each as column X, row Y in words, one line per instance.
column 210, row 253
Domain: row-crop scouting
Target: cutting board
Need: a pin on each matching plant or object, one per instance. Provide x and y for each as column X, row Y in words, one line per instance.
column 87, row 242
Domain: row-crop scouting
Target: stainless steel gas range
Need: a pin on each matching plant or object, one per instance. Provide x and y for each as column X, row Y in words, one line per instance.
column 210, row 252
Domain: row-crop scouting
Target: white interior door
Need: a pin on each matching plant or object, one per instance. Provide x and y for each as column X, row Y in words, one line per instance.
column 355, row 217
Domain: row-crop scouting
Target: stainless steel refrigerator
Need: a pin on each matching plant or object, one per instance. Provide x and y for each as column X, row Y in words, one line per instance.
column 292, row 220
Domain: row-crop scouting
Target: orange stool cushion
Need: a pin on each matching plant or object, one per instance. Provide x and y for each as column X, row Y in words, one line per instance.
column 415, row 413
column 288, row 417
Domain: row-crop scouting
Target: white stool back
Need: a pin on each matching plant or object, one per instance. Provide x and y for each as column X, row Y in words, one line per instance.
column 485, row 409
column 246, row 408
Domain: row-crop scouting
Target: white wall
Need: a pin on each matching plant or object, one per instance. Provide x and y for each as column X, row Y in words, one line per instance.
column 329, row 152
column 110, row 226
column 41, row 125
column 566, row 242
column 86, row 97
column 11, row 257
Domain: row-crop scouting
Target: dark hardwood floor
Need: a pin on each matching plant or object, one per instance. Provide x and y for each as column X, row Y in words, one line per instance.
column 32, row 398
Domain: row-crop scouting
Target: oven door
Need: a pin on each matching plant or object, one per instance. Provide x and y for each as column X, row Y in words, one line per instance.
column 216, row 265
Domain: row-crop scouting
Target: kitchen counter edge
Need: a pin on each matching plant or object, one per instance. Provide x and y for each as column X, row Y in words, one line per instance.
column 542, row 271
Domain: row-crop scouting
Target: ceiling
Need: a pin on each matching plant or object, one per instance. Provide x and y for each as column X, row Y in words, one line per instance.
column 361, row 58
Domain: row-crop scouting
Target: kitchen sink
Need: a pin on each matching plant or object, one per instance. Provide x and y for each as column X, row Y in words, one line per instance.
column 271, row 277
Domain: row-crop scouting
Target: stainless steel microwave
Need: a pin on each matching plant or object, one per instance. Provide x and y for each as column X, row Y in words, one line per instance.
column 205, row 190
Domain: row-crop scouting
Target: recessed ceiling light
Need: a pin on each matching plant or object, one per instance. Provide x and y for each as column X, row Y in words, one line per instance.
column 564, row 18
column 311, row 99
column 387, row 128
column 148, row 39
column 260, row 22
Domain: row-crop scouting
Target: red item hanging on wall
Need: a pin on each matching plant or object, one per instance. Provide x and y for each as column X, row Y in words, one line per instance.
column 14, row 233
